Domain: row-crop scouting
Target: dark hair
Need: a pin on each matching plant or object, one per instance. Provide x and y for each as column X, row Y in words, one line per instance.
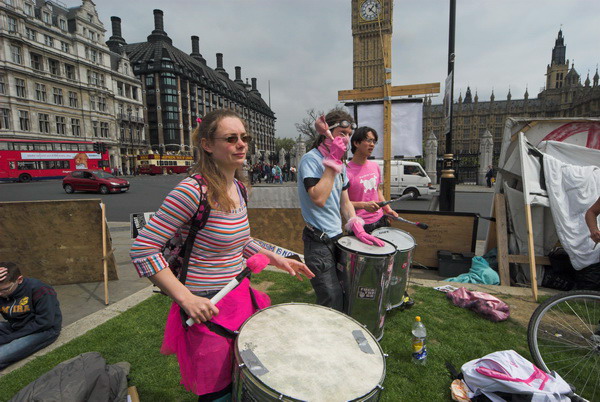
column 206, row 166
column 13, row 271
column 333, row 116
column 360, row 135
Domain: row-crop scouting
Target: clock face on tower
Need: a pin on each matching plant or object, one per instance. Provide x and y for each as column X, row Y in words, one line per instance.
column 370, row 10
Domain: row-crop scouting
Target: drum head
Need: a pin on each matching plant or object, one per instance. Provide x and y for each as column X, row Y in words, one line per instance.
column 353, row 244
column 399, row 238
column 310, row 353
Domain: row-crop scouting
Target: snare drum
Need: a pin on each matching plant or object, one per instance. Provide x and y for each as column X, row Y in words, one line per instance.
column 305, row 352
column 405, row 244
column 365, row 275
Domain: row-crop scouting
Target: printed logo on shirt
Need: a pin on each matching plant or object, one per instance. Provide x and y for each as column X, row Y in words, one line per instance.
column 370, row 184
column 24, row 301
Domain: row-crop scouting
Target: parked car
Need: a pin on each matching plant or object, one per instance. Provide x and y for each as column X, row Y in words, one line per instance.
column 408, row 178
column 94, row 180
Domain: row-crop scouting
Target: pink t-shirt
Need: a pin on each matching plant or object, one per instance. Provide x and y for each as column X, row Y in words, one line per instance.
column 364, row 185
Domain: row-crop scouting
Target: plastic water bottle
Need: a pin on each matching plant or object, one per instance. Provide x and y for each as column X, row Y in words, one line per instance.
column 419, row 333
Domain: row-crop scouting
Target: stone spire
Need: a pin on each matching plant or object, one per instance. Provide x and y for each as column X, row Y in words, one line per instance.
column 559, row 51
column 526, row 96
column 492, row 97
column 476, row 96
column 596, row 77
column 587, row 80
column 460, row 97
column 508, row 96
column 468, row 97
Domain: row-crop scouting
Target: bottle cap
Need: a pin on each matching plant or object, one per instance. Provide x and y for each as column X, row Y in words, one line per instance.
column 417, row 318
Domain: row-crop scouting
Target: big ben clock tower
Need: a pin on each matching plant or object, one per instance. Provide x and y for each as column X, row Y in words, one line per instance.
column 372, row 36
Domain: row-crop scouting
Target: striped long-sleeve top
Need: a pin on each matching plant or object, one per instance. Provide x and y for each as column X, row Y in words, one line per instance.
column 219, row 247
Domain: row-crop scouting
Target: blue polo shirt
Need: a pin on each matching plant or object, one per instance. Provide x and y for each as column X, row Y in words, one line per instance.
column 327, row 219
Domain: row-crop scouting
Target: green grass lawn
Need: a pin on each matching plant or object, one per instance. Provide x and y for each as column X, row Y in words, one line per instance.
column 454, row 334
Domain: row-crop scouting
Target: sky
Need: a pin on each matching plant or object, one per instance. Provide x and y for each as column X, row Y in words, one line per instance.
column 302, row 49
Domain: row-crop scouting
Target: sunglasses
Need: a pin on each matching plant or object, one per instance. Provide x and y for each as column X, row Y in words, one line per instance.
column 343, row 124
column 233, row 139
column 370, row 141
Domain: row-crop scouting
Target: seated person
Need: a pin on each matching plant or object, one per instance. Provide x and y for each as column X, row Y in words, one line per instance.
column 32, row 314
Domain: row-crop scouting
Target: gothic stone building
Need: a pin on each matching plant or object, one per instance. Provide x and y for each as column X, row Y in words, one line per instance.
column 563, row 96
column 59, row 81
column 178, row 88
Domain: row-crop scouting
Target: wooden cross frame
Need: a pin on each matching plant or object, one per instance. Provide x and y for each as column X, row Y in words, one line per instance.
column 385, row 93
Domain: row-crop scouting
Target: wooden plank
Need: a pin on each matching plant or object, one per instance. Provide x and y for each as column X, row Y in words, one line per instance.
column 502, row 239
column 524, row 259
column 387, row 119
column 57, row 242
column 531, row 250
column 279, row 226
column 491, row 240
column 398, row 90
column 104, row 261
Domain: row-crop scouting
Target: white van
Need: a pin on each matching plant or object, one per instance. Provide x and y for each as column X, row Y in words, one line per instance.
column 408, row 178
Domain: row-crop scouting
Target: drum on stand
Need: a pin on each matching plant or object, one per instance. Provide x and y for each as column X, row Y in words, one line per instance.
column 405, row 245
column 306, row 352
column 366, row 272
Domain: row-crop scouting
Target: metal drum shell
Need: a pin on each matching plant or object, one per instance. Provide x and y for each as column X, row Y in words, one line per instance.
column 249, row 387
column 365, row 278
column 402, row 265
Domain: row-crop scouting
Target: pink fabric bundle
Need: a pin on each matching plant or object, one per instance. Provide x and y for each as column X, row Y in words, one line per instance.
column 488, row 306
column 205, row 358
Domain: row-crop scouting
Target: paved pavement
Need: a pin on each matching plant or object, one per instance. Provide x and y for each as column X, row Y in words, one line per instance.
column 83, row 304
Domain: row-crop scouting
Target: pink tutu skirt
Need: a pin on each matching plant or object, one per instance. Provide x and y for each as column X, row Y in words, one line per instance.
column 205, row 358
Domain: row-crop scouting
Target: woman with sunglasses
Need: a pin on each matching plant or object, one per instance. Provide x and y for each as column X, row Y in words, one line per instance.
column 323, row 193
column 365, row 181
column 205, row 358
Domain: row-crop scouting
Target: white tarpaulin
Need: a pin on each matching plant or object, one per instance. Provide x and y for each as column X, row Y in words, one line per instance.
column 407, row 126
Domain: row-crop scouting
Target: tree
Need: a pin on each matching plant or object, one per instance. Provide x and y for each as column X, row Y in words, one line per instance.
column 285, row 143
column 307, row 127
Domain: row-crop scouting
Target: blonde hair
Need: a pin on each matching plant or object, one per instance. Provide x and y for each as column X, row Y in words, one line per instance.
column 205, row 164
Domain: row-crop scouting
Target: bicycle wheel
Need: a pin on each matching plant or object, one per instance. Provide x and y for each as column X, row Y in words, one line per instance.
column 564, row 336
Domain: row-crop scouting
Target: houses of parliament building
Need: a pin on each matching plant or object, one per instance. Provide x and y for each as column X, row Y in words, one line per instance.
column 563, row 96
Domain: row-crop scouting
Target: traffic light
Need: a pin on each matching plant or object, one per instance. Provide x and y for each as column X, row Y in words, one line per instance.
column 97, row 147
column 102, row 147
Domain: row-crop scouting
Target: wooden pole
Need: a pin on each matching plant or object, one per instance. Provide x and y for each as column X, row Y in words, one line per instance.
column 387, row 116
column 104, row 256
column 531, row 249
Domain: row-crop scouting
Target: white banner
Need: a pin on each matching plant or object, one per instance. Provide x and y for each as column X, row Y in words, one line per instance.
column 56, row 155
column 407, row 126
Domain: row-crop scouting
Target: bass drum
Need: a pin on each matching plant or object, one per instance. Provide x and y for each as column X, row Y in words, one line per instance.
column 305, row 352
column 405, row 246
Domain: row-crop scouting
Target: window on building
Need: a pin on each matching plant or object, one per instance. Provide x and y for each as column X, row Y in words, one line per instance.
column 15, row 53
column 44, row 123
column 40, row 92
column 65, row 47
column 36, row 61
column 128, row 90
column 102, row 103
column 90, row 18
column 104, row 130
column 149, row 81
column 31, row 34
column 4, row 118
column 95, row 128
column 46, row 18
column 53, row 67
column 70, row 71
column 62, row 24
column 61, row 127
column 28, row 8
column 48, row 40
column 21, row 89
column 24, row 120
column 12, row 24
column 119, row 88
column 101, row 79
column 73, row 100
column 170, row 98
column 93, row 102
column 2, row 87
column 169, row 79
column 134, row 93
column 76, row 127
column 121, row 109
column 93, row 55
column 58, row 96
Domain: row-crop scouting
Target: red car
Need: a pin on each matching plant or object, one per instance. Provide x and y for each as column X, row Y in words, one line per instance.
column 94, row 180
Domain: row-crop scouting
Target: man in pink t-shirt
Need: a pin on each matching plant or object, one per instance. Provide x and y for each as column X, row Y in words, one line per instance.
column 365, row 181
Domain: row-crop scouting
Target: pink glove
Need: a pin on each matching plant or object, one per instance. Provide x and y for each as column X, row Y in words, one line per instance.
column 333, row 151
column 356, row 225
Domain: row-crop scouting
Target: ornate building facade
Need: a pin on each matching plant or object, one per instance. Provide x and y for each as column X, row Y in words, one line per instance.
column 58, row 80
column 563, row 96
column 177, row 88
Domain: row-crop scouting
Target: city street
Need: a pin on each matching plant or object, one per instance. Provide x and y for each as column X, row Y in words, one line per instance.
column 147, row 193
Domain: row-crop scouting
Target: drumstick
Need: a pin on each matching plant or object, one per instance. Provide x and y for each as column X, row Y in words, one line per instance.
column 254, row 264
column 420, row 225
column 384, row 203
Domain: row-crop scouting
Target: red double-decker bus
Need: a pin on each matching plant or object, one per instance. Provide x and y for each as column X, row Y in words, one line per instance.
column 26, row 160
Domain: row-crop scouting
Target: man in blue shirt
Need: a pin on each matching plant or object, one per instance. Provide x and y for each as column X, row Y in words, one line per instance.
column 322, row 189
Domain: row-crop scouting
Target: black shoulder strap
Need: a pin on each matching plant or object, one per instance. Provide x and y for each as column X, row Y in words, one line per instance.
column 198, row 222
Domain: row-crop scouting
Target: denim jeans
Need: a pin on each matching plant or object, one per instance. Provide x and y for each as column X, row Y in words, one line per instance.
column 321, row 258
column 20, row 348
